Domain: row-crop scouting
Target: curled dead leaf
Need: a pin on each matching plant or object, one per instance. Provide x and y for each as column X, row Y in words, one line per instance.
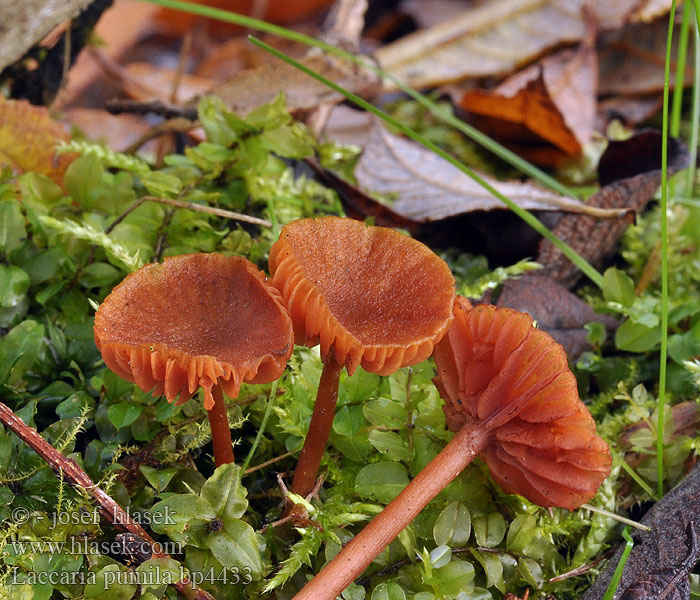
column 428, row 188
column 555, row 98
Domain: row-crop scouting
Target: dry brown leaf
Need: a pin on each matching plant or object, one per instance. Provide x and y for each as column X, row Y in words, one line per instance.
column 494, row 38
column 555, row 98
column 120, row 27
column 117, row 131
column 28, row 139
column 146, row 82
column 430, row 189
column 632, row 60
column 26, row 23
column 428, row 13
column 630, row 173
column 254, row 87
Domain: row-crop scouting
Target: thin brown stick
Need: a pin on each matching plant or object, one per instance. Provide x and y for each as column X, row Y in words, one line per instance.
column 219, row 212
column 78, row 478
column 582, row 569
column 220, row 429
column 267, row 463
column 316, row 440
column 364, row 547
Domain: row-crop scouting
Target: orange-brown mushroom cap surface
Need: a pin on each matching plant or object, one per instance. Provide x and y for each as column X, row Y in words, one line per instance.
column 495, row 368
column 376, row 297
column 195, row 320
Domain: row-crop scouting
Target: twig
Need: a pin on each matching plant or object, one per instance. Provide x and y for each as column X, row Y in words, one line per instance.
column 267, row 463
column 78, row 478
column 582, row 569
column 158, row 107
column 219, row 212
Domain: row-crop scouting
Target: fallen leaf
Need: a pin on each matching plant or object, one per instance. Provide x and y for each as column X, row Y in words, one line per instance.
column 348, row 126
column 428, row 13
column 26, row 23
column 495, row 38
column 358, row 205
column 28, row 139
column 117, row 131
column 632, row 60
column 428, row 188
column 557, row 311
column 146, row 81
column 630, row 173
column 555, row 98
column 119, row 28
column 254, row 87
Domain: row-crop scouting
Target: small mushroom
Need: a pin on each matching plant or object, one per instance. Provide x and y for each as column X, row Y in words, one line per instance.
column 196, row 320
column 510, row 396
column 369, row 296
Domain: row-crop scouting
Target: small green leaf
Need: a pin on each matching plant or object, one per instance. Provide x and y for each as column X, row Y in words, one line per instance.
column 531, row 572
column 391, row 444
column 384, row 412
column 489, row 529
column 388, row 591
column 124, row 414
column 596, row 333
column 633, row 337
column 83, row 180
column 113, row 582
column 521, row 532
column 440, row 556
column 14, row 283
column 455, row 577
column 12, row 230
column 19, row 350
column 158, row 478
column 453, row 525
column 224, row 492
column 618, row 287
column 236, row 546
column 382, row 481
column 173, row 515
column 493, row 568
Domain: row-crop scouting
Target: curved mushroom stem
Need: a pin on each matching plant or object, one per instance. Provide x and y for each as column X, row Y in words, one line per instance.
column 316, row 440
column 220, row 430
column 365, row 546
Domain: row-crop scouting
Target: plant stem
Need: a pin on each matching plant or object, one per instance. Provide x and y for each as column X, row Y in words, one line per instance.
column 79, row 479
column 220, row 430
column 364, row 547
column 316, row 440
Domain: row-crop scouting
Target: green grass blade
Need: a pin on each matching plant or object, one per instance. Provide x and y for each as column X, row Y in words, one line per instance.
column 695, row 118
column 263, row 425
column 680, row 71
column 530, row 219
column 617, row 575
column 664, row 263
column 471, row 132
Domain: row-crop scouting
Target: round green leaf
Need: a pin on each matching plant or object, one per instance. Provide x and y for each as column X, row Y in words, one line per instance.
column 453, row 525
column 381, row 481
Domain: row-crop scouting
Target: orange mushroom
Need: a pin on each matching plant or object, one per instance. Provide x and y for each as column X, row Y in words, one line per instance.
column 369, row 296
column 197, row 320
column 510, row 395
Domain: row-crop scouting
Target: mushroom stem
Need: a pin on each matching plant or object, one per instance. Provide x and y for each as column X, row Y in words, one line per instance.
column 220, row 430
column 354, row 558
column 316, row 440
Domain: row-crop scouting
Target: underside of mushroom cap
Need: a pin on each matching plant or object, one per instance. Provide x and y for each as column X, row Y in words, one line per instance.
column 496, row 369
column 194, row 321
column 376, row 297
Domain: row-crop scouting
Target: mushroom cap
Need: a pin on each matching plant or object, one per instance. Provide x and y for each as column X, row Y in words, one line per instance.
column 376, row 297
column 194, row 320
column 495, row 368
